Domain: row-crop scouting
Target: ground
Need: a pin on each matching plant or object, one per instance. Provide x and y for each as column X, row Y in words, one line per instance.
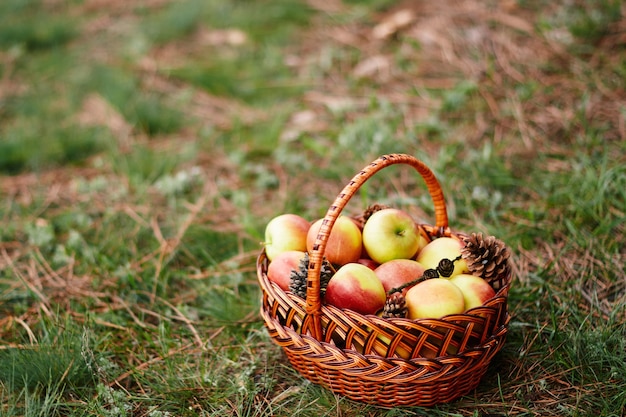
column 143, row 148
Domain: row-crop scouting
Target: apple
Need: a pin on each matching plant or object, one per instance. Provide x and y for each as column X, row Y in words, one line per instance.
column 356, row 287
column 391, row 234
column 370, row 263
column 474, row 288
column 285, row 232
column 279, row 270
column 344, row 245
column 423, row 239
column 434, row 298
column 440, row 248
column 397, row 272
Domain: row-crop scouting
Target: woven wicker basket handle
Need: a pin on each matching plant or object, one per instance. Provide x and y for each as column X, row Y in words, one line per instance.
column 313, row 299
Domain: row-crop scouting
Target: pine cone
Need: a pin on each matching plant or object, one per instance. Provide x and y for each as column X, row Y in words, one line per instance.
column 373, row 209
column 487, row 257
column 445, row 267
column 300, row 276
column 395, row 306
column 365, row 215
column 430, row 273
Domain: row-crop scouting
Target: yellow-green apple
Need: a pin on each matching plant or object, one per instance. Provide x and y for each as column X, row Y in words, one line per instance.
column 440, row 248
column 285, row 232
column 344, row 245
column 434, row 298
column 474, row 288
column 397, row 272
column 279, row 270
column 391, row 234
column 356, row 287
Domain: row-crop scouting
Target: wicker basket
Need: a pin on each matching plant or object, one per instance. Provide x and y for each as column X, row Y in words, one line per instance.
column 386, row 362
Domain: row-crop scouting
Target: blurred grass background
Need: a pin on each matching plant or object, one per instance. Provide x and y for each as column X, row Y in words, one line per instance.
column 145, row 145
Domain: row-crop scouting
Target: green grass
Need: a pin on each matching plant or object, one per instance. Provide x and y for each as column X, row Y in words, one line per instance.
column 142, row 152
column 30, row 24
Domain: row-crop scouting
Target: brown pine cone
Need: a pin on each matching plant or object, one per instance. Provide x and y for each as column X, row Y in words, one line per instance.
column 395, row 306
column 365, row 215
column 298, row 277
column 487, row 257
column 446, row 267
column 373, row 209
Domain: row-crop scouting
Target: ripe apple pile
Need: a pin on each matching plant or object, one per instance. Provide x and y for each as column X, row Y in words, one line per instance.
column 388, row 253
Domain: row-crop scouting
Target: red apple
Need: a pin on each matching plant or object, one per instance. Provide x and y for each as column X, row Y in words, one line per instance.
column 370, row 263
column 286, row 232
column 279, row 270
column 391, row 234
column 475, row 289
column 440, row 248
column 356, row 287
column 344, row 245
column 434, row 298
column 397, row 272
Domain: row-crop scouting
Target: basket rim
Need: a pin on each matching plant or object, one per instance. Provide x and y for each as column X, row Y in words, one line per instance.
column 327, row 308
column 328, row 311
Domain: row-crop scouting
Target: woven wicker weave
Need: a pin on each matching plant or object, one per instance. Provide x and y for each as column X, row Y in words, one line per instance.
column 388, row 362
